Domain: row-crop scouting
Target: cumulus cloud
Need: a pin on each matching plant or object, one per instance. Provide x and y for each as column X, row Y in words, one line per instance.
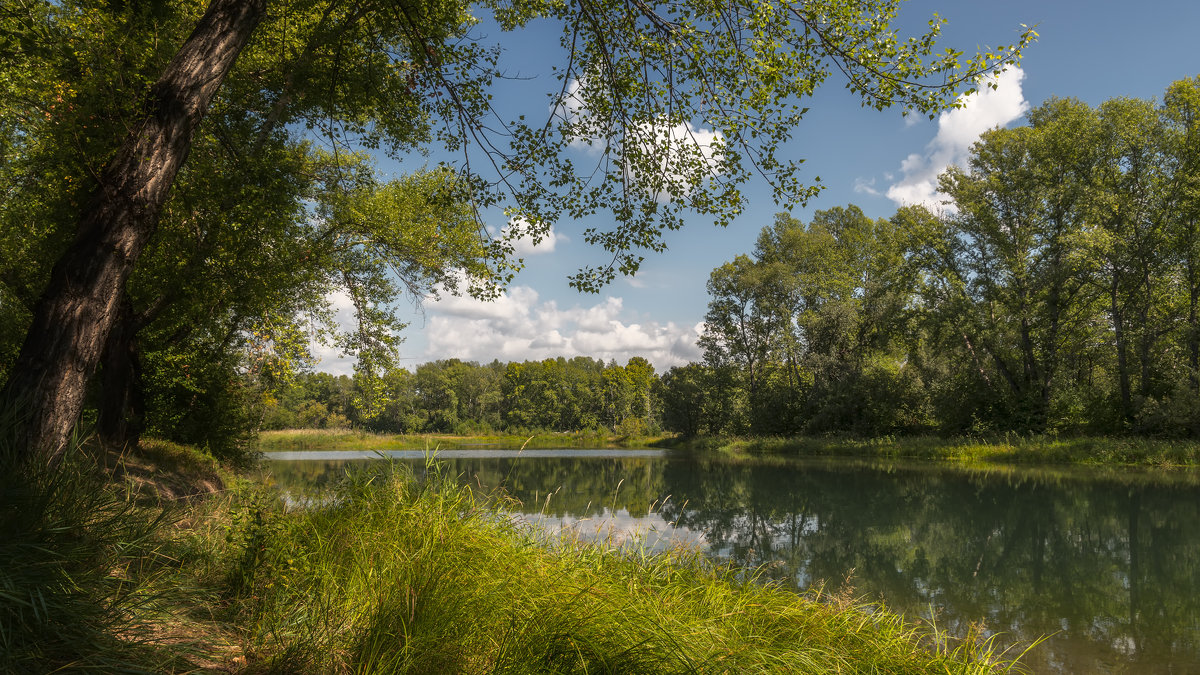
column 519, row 326
column 676, row 149
column 863, row 186
column 958, row 129
column 525, row 244
column 570, row 108
column 330, row 359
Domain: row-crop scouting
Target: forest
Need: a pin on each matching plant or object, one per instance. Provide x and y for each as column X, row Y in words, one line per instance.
column 1056, row 291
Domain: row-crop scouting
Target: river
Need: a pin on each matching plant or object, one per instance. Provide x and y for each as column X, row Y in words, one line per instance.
column 1102, row 564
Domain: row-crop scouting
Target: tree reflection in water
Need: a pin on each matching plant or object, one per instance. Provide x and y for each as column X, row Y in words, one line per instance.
column 1106, row 563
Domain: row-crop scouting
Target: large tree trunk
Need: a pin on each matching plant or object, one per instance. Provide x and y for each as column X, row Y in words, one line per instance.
column 75, row 313
column 1193, row 329
column 121, row 411
column 1118, row 321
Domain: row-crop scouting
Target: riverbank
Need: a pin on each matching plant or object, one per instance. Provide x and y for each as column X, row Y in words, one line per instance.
column 1009, row 449
column 347, row 439
column 396, row 575
column 1000, row 450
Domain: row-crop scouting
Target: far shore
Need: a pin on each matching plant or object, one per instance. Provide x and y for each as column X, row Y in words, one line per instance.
column 1001, row 449
column 350, row 439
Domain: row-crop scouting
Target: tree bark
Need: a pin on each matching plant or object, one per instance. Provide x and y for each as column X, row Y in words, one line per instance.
column 1193, row 331
column 1118, row 321
column 72, row 319
column 121, row 412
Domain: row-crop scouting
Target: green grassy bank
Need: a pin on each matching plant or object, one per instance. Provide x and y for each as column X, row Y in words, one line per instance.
column 1012, row 449
column 391, row 575
column 346, row 439
column 1007, row 449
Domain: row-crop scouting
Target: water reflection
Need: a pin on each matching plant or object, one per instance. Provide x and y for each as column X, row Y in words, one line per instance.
column 1108, row 564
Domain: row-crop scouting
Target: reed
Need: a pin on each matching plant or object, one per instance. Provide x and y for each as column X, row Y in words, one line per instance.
column 79, row 566
column 389, row 574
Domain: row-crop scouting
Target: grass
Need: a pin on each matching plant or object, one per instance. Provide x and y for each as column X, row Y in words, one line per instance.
column 389, row 574
column 1000, row 450
column 393, row 575
column 80, row 558
column 1006, row 449
column 347, row 439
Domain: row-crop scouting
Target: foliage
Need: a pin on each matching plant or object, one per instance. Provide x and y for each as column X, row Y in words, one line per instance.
column 813, row 323
column 453, row 396
column 1060, row 293
column 261, row 224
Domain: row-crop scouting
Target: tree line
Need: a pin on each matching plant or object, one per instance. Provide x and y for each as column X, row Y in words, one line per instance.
column 455, row 396
column 1058, row 290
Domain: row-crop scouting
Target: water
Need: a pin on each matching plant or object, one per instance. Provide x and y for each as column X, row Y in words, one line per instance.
column 1104, row 563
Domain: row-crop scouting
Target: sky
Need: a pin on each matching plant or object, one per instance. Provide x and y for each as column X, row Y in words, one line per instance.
column 1092, row 50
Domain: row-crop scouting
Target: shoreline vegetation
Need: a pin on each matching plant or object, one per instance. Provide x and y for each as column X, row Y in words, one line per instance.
column 1000, row 449
column 189, row 566
column 350, row 439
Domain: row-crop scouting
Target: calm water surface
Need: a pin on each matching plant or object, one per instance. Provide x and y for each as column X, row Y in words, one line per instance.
column 1106, row 563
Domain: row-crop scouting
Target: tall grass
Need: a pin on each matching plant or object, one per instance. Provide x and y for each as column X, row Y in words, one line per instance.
column 76, row 559
column 392, row 574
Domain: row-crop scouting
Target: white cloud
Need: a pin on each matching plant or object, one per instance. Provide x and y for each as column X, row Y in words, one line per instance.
column 520, row 326
column 571, row 108
column 329, row 358
column 526, row 244
column 673, row 148
column 864, row 186
column 958, row 129
column 677, row 150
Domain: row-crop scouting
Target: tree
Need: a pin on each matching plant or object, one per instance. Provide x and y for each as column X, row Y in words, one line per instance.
column 1020, row 221
column 817, row 306
column 641, row 380
column 1182, row 103
column 248, row 243
column 641, row 75
column 683, row 399
column 76, row 311
column 1130, row 208
column 743, row 326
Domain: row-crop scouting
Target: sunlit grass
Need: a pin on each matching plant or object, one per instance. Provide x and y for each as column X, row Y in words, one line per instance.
column 1013, row 449
column 396, row 575
column 392, row 574
column 346, row 439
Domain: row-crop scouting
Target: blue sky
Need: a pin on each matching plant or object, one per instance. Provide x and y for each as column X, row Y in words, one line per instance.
column 1091, row 50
